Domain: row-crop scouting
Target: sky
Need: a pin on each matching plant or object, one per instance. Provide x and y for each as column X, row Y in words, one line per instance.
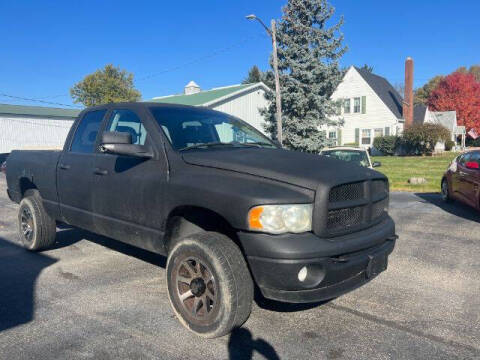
column 47, row 46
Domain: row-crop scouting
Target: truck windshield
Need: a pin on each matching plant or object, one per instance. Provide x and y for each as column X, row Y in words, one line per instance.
column 357, row 157
column 190, row 128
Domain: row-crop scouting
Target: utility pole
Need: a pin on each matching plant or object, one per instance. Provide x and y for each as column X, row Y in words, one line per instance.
column 278, row 100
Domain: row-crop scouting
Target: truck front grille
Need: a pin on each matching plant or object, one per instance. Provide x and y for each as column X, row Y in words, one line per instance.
column 354, row 206
column 343, row 218
column 346, row 192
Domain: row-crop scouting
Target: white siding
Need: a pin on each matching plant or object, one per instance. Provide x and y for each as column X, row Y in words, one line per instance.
column 377, row 115
column 17, row 133
column 246, row 107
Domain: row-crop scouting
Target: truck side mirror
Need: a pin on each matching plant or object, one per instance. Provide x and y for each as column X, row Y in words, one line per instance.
column 115, row 137
column 120, row 143
column 376, row 164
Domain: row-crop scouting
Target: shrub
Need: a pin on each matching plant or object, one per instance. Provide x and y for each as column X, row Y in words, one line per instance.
column 421, row 139
column 386, row 144
column 472, row 142
column 449, row 144
column 353, row 144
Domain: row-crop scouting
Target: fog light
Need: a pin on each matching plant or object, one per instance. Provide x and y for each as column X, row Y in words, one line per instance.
column 302, row 274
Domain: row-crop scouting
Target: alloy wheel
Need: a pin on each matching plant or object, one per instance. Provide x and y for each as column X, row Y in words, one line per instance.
column 196, row 289
column 27, row 224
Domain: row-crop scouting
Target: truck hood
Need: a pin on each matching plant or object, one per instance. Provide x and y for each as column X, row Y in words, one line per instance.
column 292, row 167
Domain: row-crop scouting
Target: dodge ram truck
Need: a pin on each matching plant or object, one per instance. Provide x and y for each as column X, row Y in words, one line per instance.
column 229, row 207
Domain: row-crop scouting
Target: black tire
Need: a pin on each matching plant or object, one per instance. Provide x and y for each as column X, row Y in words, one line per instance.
column 445, row 191
column 226, row 299
column 36, row 229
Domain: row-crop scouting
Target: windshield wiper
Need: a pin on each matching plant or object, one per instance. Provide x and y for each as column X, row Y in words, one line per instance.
column 257, row 144
column 206, row 145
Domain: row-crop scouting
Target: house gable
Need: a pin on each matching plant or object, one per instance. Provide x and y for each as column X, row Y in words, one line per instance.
column 375, row 115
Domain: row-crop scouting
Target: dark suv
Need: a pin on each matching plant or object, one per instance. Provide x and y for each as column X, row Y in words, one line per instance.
column 227, row 206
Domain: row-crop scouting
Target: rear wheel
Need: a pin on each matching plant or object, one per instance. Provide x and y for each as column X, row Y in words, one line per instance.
column 445, row 191
column 37, row 230
column 209, row 284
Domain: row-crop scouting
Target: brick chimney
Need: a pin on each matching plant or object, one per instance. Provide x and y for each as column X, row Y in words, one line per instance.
column 408, row 98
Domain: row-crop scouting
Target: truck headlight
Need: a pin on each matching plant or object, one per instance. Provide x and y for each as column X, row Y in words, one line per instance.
column 278, row 219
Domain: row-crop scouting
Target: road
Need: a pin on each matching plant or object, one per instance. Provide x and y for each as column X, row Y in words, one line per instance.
column 94, row 298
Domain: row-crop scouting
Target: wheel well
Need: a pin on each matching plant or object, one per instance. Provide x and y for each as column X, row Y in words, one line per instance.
column 188, row 220
column 26, row 184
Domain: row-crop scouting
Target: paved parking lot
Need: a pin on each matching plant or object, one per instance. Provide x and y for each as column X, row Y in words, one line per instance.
column 93, row 297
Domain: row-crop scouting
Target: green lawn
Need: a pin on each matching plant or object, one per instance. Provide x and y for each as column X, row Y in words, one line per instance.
column 399, row 169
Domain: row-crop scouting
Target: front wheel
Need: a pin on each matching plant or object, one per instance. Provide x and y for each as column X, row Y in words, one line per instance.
column 209, row 285
column 445, row 191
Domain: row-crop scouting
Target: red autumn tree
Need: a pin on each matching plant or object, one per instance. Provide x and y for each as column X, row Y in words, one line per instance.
column 461, row 92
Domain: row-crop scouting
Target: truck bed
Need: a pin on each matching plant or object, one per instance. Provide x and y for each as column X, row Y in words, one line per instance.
column 25, row 167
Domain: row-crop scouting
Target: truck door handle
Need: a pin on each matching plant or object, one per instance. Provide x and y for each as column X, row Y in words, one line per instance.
column 64, row 166
column 99, row 171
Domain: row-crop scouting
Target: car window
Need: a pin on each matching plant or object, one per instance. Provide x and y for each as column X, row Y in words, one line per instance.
column 475, row 157
column 355, row 156
column 124, row 120
column 464, row 159
column 87, row 131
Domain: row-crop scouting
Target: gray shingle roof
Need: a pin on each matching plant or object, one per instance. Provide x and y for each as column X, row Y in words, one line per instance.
column 419, row 113
column 447, row 119
column 385, row 91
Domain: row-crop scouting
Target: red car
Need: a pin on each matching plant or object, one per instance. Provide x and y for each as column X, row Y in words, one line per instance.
column 462, row 179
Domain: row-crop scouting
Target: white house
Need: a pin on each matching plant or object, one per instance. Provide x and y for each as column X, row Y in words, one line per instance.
column 33, row 127
column 448, row 119
column 370, row 107
column 243, row 101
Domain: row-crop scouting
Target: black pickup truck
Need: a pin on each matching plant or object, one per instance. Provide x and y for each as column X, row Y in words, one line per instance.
column 228, row 206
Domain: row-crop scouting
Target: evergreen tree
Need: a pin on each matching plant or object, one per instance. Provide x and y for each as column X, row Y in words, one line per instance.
column 367, row 67
column 308, row 54
column 254, row 75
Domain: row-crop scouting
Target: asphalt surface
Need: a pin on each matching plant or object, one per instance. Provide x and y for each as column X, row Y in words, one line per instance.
column 95, row 298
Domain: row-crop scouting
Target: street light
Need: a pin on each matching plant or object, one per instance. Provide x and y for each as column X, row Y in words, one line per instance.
column 272, row 33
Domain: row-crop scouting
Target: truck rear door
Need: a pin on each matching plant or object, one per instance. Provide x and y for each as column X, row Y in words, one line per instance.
column 75, row 171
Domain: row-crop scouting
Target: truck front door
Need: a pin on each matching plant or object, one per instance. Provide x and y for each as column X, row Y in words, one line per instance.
column 75, row 171
column 129, row 191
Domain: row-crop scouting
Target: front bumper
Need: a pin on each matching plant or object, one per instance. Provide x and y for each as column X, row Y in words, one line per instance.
column 334, row 266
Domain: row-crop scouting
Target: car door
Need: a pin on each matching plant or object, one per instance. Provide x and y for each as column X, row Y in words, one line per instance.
column 129, row 191
column 456, row 175
column 75, row 171
column 470, row 180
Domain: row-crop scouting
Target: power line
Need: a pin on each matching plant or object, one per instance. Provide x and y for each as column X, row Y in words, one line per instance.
column 51, row 96
column 37, row 100
column 147, row 77
column 208, row 56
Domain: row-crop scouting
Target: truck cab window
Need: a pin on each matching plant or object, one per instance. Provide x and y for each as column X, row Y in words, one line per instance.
column 124, row 120
column 87, row 131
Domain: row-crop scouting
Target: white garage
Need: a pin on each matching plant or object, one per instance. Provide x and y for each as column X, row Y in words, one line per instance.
column 33, row 127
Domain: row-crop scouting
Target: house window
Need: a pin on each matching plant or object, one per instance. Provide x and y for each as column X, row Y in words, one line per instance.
column 346, row 106
column 378, row 133
column 356, row 105
column 366, row 136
